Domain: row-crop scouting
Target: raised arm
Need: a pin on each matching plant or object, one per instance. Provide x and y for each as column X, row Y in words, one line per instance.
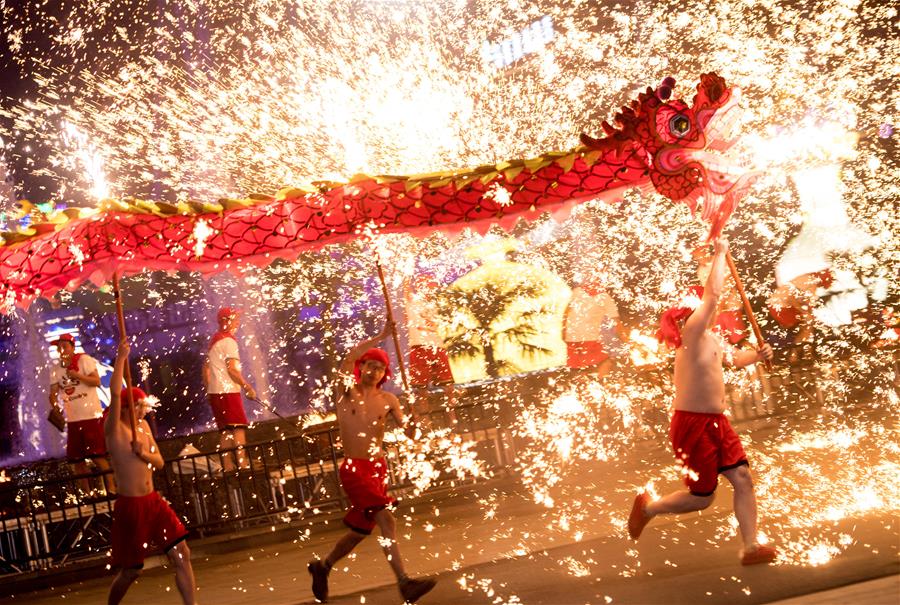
column 358, row 351
column 704, row 316
column 115, row 387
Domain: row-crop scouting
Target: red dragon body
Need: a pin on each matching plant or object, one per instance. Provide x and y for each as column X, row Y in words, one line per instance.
column 667, row 144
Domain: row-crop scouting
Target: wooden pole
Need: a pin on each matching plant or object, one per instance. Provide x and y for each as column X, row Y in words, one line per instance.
column 747, row 308
column 122, row 335
column 390, row 315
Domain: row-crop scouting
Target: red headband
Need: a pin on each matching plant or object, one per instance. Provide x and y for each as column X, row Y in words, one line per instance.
column 669, row 331
column 136, row 393
column 378, row 355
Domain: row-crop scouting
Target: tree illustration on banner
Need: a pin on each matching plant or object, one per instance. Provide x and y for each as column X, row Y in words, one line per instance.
column 479, row 322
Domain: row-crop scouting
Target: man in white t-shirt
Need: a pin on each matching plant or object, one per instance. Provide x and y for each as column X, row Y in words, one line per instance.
column 224, row 383
column 74, row 386
column 591, row 322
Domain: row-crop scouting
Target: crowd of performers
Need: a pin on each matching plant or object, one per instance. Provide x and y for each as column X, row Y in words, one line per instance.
column 701, row 333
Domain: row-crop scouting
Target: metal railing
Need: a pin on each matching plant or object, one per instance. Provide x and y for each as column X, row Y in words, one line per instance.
column 47, row 522
column 52, row 517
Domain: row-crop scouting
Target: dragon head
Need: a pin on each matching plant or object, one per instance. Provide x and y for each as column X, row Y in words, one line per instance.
column 682, row 145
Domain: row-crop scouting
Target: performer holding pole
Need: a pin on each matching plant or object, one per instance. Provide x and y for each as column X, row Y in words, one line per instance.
column 390, row 317
column 120, row 314
column 702, row 438
column 142, row 521
column 224, row 383
column 362, row 410
column 747, row 308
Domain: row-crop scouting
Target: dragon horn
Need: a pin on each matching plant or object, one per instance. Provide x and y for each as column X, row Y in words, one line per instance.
column 665, row 89
column 589, row 141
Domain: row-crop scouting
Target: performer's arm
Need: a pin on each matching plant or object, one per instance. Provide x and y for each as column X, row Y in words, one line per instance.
column 704, row 316
column 235, row 373
column 92, row 379
column 150, row 454
column 358, row 351
column 115, row 388
column 205, row 374
column 744, row 357
column 54, row 395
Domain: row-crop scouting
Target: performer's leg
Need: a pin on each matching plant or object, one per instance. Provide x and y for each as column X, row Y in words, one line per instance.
column 180, row 556
column 319, row 570
column 240, row 439
column 744, row 502
column 108, row 480
column 226, row 442
column 410, row 588
column 753, row 553
column 388, row 527
column 81, row 468
column 120, row 585
column 678, row 502
column 642, row 510
column 343, row 547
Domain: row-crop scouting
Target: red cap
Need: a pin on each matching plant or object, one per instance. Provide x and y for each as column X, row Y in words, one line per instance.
column 63, row 338
column 226, row 313
column 670, row 326
column 136, row 393
column 378, row 355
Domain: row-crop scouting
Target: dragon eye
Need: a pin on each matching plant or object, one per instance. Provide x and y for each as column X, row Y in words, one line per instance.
column 679, row 125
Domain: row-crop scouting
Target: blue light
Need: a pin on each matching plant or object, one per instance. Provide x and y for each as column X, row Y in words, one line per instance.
column 529, row 40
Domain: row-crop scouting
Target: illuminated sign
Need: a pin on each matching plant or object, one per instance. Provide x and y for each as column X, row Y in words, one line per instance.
column 524, row 42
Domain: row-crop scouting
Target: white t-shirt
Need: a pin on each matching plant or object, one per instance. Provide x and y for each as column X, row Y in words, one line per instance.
column 219, row 379
column 587, row 315
column 420, row 322
column 80, row 401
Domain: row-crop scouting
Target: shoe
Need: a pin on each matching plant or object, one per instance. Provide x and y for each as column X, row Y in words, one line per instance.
column 412, row 589
column 319, row 573
column 760, row 554
column 638, row 518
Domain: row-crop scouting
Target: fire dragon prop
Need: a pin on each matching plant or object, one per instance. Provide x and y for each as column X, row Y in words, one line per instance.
column 655, row 143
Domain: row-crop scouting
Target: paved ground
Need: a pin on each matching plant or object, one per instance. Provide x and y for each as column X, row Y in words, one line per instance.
column 492, row 545
column 477, row 564
column 883, row 591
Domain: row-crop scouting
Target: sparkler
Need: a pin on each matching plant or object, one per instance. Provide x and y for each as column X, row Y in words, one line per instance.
column 255, row 102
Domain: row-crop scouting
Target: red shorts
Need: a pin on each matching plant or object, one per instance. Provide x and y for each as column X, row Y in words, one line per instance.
column 365, row 482
column 585, row 353
column 787, row 317
column 141, row 526
column 228, row 408
column 732, row 326
column 429, row 365
column 705, row 445
column 86, row 439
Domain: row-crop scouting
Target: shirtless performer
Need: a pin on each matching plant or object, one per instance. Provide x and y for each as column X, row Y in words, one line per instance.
column 361, row 411
column 702, row 437
column 142, row 520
